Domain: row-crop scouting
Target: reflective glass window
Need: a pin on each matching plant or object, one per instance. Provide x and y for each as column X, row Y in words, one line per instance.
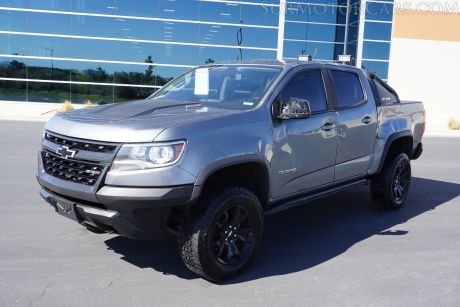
column 354, row 13
column 13, row 3
column 125, row 93
column 13, row 68
column 205, row 54
column 236, row 13
column 334, row 2
column 55, row 5
column 377, row 31
column 48, row 92
column 179, row 9
column 13, row 90
column 379, row 68
column 328, row 33
column 316, row 13
column 49, row 23
column 307, row 85
column 351, row 49
column 93, row 26
column 47, row 69
column 321, row 51
column 352, row 32
column 228, row 35
column 348, row 88
column 142, row 8
column 13, row 44
column 96, row 94
column 376, row 50
column 48, row 46
column 379, row 11
column 13, row 21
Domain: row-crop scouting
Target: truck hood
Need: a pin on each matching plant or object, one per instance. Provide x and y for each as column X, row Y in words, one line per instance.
column 136, row 121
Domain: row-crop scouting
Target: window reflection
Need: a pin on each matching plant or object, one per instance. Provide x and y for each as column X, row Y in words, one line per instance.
column 379, row 68
column 13, row 21
column 328, row 33
column 377, row 31
column 227, row 35
column 13, row 68
column 236, row 13
column 316, row 13
column 320, row 51
column 13, row 90
column 96, row 94
column 376, row 50
column 379, row 11
column 13, row 44
column 118, row 47
column 124, row 93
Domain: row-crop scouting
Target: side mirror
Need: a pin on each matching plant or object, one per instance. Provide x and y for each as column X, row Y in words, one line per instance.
column 294, row 108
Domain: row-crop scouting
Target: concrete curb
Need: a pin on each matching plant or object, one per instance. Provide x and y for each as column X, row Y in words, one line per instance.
column 29, row 111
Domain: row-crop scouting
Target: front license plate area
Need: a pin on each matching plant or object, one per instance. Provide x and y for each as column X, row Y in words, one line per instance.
column 67, row 209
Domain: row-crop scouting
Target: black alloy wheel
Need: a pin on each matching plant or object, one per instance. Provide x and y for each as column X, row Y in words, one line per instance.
column 232, row 236
column 390, row 188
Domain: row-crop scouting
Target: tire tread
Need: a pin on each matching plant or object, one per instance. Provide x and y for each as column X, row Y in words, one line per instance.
column 194, row 224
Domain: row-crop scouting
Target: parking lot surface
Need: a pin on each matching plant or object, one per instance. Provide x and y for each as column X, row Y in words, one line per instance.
column 337, row 251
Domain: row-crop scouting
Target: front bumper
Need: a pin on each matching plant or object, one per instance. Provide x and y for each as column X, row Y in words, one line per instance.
column 140, row 213
column 134, row 212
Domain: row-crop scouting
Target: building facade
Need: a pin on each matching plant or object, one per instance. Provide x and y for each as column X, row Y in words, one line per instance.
column 425, row 58
column 115, row 50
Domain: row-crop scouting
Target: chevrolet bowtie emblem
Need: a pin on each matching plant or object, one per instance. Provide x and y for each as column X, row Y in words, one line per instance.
column 65, row 152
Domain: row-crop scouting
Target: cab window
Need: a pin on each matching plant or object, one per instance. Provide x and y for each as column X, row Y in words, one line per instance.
column 307, row 85
column 348, row 88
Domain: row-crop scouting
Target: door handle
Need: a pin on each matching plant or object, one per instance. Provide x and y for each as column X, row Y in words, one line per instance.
column 367, row 120
column 328, row 126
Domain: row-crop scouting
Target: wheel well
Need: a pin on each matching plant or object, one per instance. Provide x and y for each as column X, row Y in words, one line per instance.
column 400, row 145
column 252, row 176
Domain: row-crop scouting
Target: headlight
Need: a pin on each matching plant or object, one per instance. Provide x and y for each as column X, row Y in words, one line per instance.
column 133, row 157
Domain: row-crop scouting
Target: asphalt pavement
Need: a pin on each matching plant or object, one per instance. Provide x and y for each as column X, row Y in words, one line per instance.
column 337, row 251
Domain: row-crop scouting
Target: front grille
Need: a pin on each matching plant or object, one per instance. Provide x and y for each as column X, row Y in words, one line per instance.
column 71, row 170
column 81, row 145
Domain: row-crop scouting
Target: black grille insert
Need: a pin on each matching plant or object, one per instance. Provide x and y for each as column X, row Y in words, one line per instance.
column 80, row 144
column 71, row 170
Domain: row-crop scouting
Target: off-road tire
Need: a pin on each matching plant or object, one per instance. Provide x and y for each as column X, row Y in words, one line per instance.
column 199, row 228
column 384, row 187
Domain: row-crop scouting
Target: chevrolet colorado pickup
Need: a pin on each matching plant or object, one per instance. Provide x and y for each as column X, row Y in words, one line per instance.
column 217, row 148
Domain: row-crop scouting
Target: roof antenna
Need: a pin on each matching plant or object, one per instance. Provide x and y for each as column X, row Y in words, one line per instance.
column 314, row 54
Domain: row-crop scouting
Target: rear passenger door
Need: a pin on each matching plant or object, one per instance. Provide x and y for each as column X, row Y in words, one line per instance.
column 357, row 123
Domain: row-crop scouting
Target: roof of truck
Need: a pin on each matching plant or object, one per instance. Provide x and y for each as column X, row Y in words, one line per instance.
column 283, row 63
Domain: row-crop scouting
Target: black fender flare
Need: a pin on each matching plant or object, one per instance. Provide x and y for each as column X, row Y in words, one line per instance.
column 392, row 138
column 220, row 164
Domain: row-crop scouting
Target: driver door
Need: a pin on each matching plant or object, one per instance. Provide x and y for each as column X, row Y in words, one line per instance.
column 304, row 150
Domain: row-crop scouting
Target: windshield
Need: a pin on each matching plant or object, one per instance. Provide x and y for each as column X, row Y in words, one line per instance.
column 224, row 86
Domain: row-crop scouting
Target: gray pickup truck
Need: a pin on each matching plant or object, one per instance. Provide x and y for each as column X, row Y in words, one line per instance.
column 216, row 149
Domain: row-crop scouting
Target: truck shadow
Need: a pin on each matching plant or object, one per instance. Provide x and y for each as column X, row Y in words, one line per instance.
column 303, row 237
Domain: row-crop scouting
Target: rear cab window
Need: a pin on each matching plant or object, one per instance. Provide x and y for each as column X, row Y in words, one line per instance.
column 348, row 88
